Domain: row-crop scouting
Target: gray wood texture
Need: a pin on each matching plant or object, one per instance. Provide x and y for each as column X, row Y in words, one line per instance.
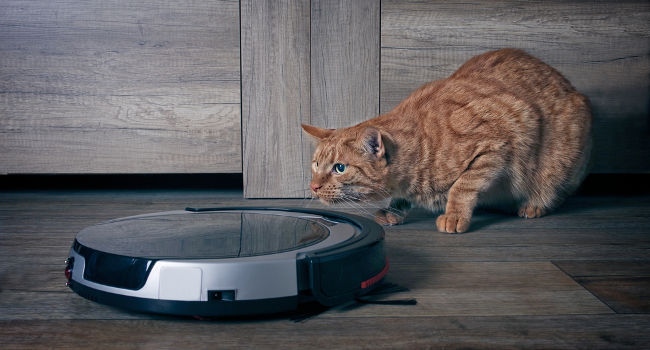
column 508, row 283
column 344, row 67
column 601, row 47
column 344, row 62
column 275, row 90
column 453, row 332
column 302, row 62
column 119, row 87
column 623, row 285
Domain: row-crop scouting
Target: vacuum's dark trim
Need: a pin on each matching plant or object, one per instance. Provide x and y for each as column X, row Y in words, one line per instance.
column 114, row 270
column 188, row 308
column 333, row 282
column 376, row 278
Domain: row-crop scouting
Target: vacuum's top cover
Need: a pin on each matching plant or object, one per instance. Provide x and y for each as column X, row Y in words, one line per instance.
column 206, row 235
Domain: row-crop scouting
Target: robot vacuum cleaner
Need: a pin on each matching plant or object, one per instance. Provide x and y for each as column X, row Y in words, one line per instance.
column 227, row 261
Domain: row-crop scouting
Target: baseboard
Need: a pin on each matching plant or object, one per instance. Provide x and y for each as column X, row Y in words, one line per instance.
column 120, row 181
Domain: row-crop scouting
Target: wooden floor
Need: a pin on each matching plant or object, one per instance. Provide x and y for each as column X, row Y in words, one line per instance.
column 579, row 278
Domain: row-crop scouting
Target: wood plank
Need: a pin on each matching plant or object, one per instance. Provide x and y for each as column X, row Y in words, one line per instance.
column 131, row 150
column 62, row 305
column 622, row 285
column 600, row 268
column 275, row 88
column 119, row 87
column 584, row 332
column 342, row 48
column 626, row 295
column 344, row 62
column 344, row 67
column 602, row 48
column 480, row 289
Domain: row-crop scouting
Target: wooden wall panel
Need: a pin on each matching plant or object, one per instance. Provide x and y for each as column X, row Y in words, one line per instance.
column 275, row 90
column 344, row 62
column 302, row 62
column 114, row 86
column 344, row 66
column 602, row 47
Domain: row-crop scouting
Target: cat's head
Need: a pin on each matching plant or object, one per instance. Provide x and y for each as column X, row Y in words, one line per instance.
column 349, row 164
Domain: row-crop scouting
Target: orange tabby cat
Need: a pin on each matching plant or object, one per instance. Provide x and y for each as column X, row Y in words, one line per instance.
column 504, row 129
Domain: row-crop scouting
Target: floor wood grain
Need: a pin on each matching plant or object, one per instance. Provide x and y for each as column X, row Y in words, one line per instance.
column 623, row 285
column 546, row 332
column 577, row 278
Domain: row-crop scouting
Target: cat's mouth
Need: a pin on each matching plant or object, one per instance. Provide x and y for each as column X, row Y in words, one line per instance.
column 345, row 194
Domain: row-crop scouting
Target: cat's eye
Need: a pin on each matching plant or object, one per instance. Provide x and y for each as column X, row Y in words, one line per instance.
column 339, row 168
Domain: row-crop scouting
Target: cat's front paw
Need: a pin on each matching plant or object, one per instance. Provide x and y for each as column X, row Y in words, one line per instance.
column 452, row 223
column 388, row 218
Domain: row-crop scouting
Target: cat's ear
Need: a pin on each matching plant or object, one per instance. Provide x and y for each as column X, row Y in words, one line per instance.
column 372, row 143
column 316, row 132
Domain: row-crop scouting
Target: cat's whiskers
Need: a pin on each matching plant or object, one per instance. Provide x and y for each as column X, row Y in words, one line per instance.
column 358, row 198
column 381, row 205
column 309, row 203
column 356, row 206
column 365, row 205
column 307, row 199
column 365, row 198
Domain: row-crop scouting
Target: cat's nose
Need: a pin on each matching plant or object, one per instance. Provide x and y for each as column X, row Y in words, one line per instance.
column 315, row 187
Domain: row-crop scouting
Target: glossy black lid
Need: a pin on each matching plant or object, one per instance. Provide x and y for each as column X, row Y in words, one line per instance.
column 203, row 235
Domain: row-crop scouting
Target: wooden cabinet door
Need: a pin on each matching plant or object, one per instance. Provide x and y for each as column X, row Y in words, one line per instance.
column 117, row 86
column 314, row 62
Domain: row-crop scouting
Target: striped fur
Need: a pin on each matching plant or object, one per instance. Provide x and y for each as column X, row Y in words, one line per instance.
column 505, row 130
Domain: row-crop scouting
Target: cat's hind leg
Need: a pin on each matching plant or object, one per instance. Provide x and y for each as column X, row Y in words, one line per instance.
column 565, row 161
column 549, row 192
column 395, row 214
